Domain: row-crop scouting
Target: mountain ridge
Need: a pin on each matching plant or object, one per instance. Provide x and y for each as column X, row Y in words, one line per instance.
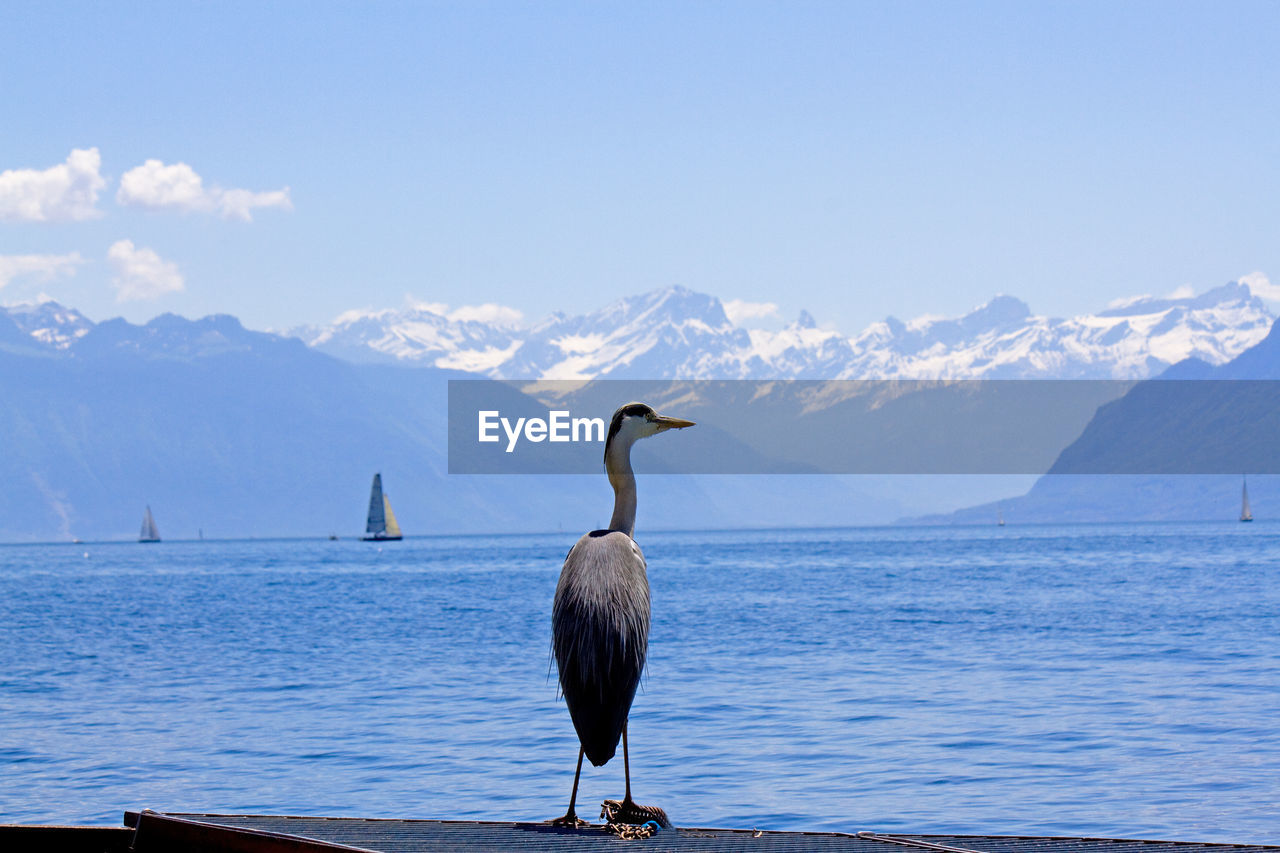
column 678, row 333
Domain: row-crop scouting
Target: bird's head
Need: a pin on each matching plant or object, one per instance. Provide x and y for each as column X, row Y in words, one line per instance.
column 635, row 421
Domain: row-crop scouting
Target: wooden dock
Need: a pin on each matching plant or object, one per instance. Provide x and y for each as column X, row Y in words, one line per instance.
column 154, row 832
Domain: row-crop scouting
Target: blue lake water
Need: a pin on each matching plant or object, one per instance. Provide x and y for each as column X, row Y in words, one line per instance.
column 1119, row 680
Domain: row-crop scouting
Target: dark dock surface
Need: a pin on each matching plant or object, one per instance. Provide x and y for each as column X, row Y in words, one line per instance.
column 154, row 832
column 254, row 833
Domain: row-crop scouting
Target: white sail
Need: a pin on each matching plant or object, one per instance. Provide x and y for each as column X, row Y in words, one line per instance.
column 149, row 532
column 1246, row 514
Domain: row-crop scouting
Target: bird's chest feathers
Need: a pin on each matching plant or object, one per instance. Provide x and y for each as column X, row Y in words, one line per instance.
column 605, row 571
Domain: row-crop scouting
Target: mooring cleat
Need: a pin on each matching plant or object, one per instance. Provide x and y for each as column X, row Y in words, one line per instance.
column 631, row 812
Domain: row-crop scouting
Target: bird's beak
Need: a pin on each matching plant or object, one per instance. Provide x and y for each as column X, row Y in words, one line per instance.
column 665, row 422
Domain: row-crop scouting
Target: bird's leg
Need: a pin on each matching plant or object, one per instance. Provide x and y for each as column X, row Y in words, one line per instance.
column 626, row 764
column 629, row 811
column 570, row 817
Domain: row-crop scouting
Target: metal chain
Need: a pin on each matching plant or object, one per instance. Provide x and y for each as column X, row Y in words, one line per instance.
column 630, row 831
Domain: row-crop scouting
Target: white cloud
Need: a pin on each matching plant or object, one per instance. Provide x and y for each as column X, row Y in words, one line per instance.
column 489, row 312
column 430, row 307
column 63, row 193
column 239, row 204
column 498, row 315
column 140, row 273
column 924, row 321
column 37, row 267
column 738, row 310
column 155, row 186
column 355, row 315
column 1186, row 291
column 1261, row 286
column 1126, row 301
column 178, row 187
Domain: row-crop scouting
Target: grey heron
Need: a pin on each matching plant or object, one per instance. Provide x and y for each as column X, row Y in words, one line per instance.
column 600, row 619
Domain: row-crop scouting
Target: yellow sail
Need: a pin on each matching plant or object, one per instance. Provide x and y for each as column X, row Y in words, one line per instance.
column 393, row 528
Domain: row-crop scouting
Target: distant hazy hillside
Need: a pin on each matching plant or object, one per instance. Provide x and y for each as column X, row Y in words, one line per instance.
column 238, row 432
column 1228, row 428
column 678, row 333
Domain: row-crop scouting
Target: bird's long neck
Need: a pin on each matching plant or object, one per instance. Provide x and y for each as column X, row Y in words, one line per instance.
column 617, row 462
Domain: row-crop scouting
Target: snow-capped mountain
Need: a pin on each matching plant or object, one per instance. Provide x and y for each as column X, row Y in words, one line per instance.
column 422, row 334
column 678, row 333
column 49, row 323
column 1130, row 340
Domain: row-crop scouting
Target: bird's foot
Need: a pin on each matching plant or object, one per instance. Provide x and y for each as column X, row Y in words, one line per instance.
column 629, row 811
column 569, row 820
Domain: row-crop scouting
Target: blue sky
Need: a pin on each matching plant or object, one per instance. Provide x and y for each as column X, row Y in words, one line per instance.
column 286, row 162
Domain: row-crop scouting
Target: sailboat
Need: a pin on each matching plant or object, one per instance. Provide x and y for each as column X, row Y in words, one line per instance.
column 1246, row 514
column 382, row 525
column 1000, row 516
column 149, row 532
